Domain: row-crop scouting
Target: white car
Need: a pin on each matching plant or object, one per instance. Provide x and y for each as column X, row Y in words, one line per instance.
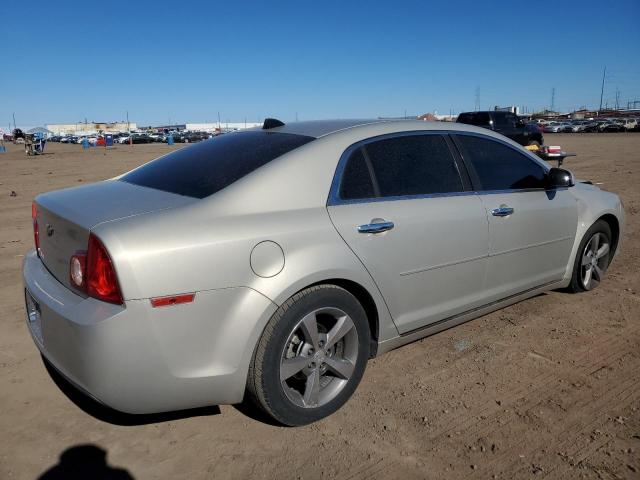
column 555, row 127
column 272, row 263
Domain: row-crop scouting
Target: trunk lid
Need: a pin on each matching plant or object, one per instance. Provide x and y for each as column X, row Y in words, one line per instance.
column 66, row 217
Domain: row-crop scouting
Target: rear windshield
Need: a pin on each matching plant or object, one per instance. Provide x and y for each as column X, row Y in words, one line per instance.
column 203, row 169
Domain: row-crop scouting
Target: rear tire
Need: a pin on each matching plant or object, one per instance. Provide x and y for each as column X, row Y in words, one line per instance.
column 592, row 258
column 311, row 356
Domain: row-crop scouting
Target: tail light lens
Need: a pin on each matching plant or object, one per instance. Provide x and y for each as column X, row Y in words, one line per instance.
column 36, row 230
column 93, row 272
column 102, row 282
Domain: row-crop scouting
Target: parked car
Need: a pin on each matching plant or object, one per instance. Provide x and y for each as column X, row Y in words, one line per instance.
column 612, row 126
column 156, row 137
column 628, row 123
column 589, row 126
column 197, row 276
column 141, row 138
column 555, row 127
column 68, row 139
column 506, row 123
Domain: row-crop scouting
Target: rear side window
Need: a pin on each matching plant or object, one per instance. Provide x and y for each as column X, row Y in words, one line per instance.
column 480, row 119
column 356, row 181
column 401, row 166
column 203, row 169
column 500, row 167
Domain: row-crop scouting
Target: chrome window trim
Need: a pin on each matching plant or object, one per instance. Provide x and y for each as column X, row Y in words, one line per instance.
column 334, row 193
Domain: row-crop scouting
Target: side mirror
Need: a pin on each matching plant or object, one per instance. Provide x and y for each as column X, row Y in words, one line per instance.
column 559, row 178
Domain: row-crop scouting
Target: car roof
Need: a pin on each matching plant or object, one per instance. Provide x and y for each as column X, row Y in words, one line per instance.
column 322, row 128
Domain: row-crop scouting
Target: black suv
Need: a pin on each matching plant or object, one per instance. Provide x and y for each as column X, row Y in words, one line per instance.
column 506, row 123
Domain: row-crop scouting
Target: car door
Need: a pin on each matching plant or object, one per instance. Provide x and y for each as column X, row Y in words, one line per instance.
column 403, row 205
column 531, row 228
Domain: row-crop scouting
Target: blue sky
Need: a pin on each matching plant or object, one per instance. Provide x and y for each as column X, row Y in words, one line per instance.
column 187, row 61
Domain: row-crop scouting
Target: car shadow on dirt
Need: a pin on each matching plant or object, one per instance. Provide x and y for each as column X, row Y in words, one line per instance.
column 84, row 462
column 109, row 415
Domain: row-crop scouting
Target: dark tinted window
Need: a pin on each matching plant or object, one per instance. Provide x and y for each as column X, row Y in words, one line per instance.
column 474, row 118
column 500, row 167
column 203, row 169
column 504, row 119
column 413, row 165
column 356, row 181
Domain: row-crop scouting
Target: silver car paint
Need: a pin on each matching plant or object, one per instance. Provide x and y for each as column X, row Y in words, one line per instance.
column 199, row 353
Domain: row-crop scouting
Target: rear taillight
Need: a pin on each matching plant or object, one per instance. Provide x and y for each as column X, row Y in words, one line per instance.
column 93, row 272
column 36, row 230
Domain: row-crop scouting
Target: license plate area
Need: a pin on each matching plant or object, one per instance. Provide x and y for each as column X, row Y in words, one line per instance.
column 34, row 317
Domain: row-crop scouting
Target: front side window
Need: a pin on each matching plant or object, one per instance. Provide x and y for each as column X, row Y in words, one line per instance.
column 504, row 120
column 401, row 166
column 500, row 167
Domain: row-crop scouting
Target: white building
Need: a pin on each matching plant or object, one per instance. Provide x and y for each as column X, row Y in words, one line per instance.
column 90, row 128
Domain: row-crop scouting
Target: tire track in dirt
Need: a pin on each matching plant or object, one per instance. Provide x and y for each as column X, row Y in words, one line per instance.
column 588, row 362
column 491, row 408
column 567, row 432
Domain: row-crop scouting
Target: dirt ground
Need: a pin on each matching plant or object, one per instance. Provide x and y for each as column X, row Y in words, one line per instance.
column 547, row 388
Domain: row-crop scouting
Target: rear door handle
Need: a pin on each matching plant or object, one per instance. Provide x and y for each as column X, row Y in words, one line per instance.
column 377, row 227
column 502, row 211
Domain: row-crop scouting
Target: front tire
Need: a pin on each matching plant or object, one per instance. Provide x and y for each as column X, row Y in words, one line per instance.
column 311, row 356
column 592, row 258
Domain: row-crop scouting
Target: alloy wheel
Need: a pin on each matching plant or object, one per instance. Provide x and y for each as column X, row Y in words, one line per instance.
column 595, row 260
column 319, row 357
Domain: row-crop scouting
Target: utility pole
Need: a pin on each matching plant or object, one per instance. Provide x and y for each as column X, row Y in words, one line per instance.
column 617, row 99
column 128, row 126
column 477, row 105
column 604, row 74
column 14, row 121
column 553, row 99
column 219, row 121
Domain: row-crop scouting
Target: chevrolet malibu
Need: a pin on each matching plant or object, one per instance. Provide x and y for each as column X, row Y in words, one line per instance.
column 273, row 263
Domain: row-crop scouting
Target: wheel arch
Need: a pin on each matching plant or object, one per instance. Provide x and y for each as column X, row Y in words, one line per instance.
column 368, row 304
column 614, row 225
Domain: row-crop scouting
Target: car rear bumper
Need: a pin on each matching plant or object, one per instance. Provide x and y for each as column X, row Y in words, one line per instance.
column 139, row 359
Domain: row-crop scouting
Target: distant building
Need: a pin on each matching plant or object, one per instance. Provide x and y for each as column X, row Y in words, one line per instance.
column 222, row 126
column 204, row 127
column 512, row 109
column 427, row 117
column 90, row 127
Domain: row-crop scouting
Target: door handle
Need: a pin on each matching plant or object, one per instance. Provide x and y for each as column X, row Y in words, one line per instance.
column 502, row 211
column 375, row 227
